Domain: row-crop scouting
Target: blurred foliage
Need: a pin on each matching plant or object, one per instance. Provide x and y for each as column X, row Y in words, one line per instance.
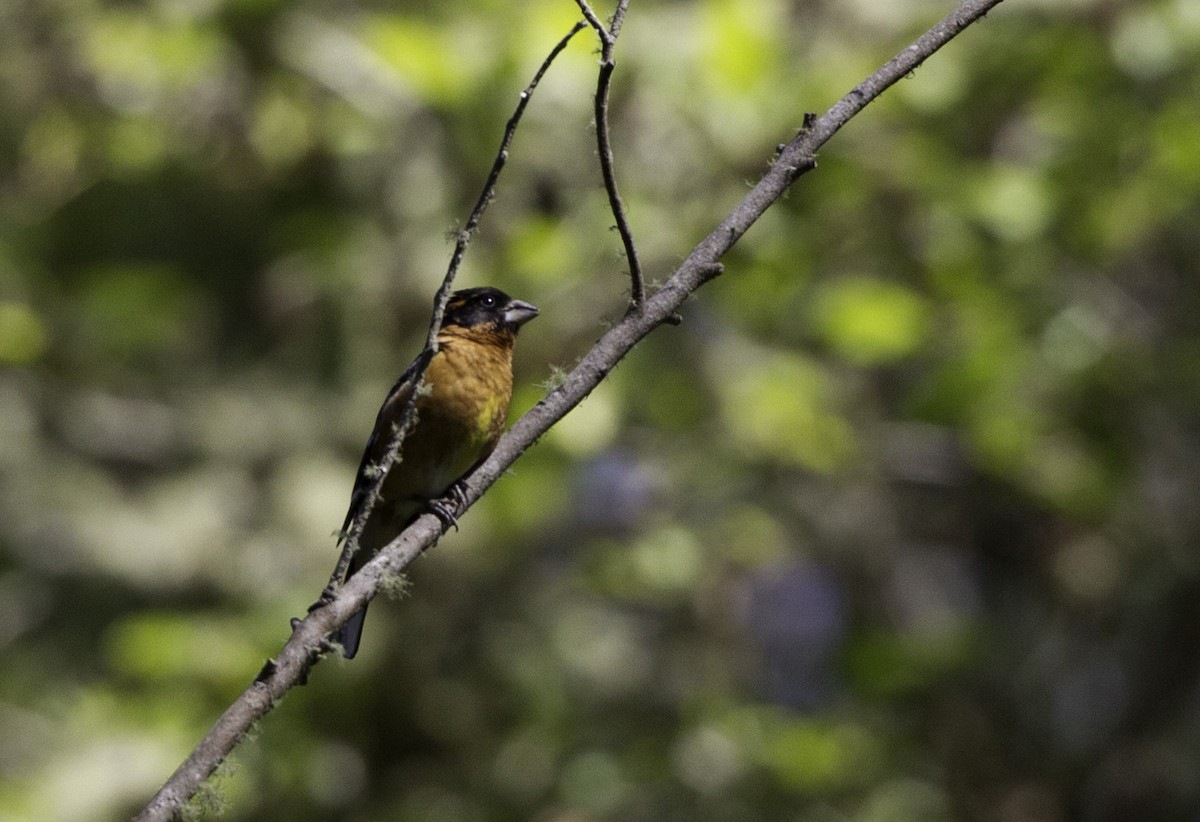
column 899, row 524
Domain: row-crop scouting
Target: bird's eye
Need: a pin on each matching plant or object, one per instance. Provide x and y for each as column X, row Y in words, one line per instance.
column 489, row 301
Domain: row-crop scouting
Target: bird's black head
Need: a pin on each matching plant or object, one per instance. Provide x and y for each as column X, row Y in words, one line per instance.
column 484, row 308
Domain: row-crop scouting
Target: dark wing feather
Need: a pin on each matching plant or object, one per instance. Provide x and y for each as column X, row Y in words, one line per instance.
column 389, row 415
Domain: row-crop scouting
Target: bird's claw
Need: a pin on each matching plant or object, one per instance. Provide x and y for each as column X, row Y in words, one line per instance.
column 444, row 512
column 456, row 500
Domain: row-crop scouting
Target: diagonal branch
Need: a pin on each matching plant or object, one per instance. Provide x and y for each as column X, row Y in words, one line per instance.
column 590, row 15
column 302, row 650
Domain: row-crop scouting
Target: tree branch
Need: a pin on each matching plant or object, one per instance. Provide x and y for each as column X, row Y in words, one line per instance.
column 304, row 647
column 608, row 41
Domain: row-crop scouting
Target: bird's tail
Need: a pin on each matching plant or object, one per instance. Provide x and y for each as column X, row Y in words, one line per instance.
column 377, row 532
column 350, row 635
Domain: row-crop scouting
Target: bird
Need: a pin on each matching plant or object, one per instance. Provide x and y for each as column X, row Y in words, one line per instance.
column 461, row 411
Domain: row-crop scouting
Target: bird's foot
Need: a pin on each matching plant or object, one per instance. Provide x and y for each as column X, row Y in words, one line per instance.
column 446, row 510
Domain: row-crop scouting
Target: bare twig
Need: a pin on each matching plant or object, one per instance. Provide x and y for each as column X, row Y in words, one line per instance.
column 594, row 21
column 408, row 417
column 614, row 27
column 489, row 188
column 302, row 649
column 608, row 41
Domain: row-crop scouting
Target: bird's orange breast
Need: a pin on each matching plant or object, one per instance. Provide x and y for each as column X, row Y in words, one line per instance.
column 460, row 415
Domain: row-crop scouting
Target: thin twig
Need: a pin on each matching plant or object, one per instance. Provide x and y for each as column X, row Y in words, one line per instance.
column 408, row 416
column 489, row 186
column 594, row 21
column 302, row 650
column 608, row 42
column 614, row 27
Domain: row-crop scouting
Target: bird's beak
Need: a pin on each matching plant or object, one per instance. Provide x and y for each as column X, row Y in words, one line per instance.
column 518, row 312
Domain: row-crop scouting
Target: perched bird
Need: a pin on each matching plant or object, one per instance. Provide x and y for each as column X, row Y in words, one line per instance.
column 461, row 411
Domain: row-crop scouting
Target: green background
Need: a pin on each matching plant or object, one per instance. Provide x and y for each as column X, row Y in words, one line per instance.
column 900, row 523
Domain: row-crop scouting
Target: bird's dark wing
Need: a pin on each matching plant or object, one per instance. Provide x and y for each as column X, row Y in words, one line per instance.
column 389, row 416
